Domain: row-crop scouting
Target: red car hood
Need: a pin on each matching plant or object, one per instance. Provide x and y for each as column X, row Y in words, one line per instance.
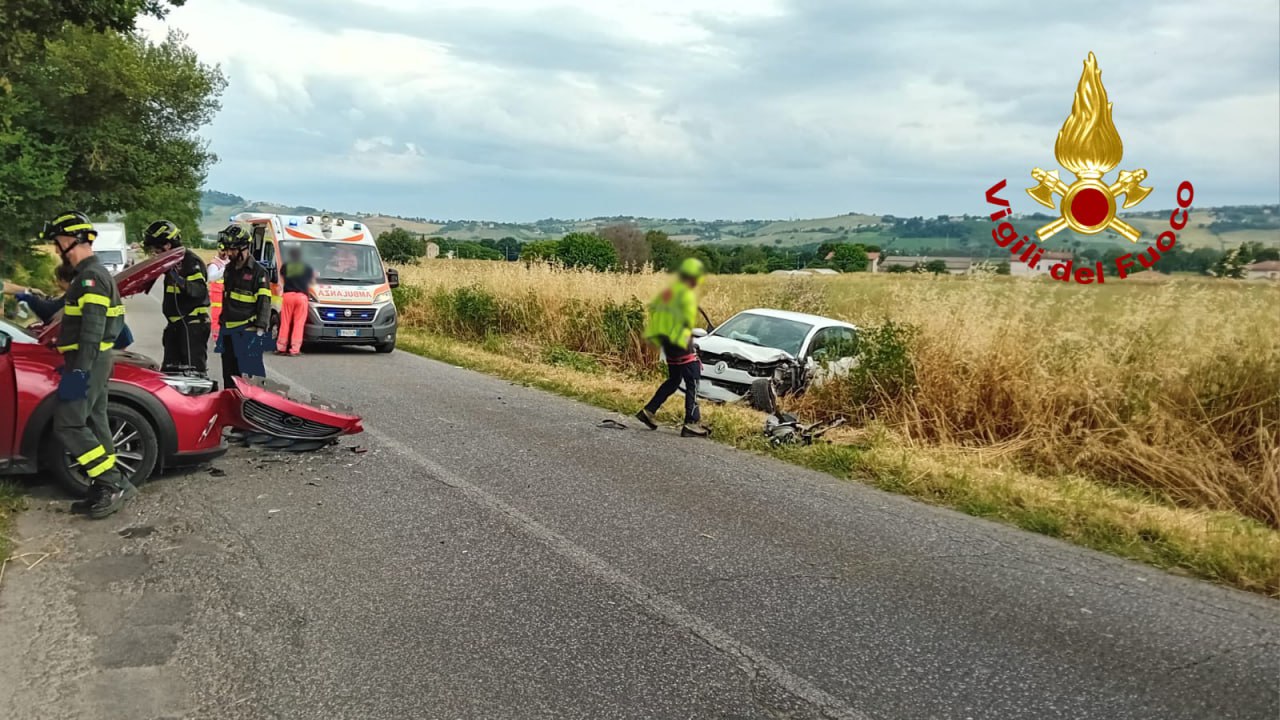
column 132, row 280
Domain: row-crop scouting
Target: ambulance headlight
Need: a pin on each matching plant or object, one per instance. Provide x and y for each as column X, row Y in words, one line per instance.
column 384, row 296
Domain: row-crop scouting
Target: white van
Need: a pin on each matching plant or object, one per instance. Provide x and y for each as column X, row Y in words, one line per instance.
column 112, row 246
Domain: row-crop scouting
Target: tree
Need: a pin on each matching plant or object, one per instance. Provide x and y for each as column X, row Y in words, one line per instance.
column 509, row 248
column 399, row 246
column 937, row 267
column 587, row 250
column 541, row 251
column 850, row 258
column 630, row 243
column 664, row 252
column 1003, row 268
column 475, row 251
column 98, row 118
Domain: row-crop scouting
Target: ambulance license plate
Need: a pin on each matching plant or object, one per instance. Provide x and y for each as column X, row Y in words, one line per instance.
column 353, row 332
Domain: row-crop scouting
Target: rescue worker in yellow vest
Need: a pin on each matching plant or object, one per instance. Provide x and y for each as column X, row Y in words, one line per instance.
column 92, row 318
column 185, row 304
column 672, row 317
column 246, row 310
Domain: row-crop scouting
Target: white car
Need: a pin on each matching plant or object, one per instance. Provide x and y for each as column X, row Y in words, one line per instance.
column 761, row 354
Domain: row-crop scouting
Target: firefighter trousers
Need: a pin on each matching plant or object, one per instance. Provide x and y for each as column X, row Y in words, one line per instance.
column 186, row 346
column 81, row 427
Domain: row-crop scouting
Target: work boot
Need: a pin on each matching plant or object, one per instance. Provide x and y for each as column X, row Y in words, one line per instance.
column 646, row 417
column 109, row 499
column 697, row 431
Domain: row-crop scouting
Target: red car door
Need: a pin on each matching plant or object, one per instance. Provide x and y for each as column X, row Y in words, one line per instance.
column 8, row 400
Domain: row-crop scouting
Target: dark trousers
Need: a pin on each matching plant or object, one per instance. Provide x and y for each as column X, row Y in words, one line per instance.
column 186, row 346
column 241, row 350
column 81, row 427
column 687, row 374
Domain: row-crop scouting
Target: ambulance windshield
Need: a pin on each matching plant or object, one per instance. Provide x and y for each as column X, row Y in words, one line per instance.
column 340, row 263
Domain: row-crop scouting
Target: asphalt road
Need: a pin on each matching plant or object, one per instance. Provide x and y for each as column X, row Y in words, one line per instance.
column 496, row 554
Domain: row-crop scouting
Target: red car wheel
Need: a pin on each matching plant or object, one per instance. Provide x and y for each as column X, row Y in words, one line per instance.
column 137, row 451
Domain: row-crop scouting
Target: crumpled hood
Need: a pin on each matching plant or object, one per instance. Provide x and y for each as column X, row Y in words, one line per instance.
column 751, row 353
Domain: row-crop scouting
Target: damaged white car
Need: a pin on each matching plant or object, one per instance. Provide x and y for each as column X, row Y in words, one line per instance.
column 759, row 355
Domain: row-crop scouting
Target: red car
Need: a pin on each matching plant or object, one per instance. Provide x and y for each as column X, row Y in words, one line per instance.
column 159, row 421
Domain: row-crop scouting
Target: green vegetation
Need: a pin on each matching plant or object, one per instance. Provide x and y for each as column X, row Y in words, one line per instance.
column 97, row 118
column 12, row 501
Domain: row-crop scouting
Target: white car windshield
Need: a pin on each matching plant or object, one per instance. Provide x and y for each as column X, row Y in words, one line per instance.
column 110, row 257
column 766, row 331
column 340, row 263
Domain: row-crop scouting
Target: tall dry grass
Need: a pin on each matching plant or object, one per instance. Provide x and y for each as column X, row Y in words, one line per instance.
column 1170, row 387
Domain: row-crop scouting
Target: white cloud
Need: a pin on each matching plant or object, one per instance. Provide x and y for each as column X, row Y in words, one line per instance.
column 750, row 106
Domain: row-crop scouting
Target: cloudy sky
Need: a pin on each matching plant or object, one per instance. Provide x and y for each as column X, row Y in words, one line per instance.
column 524, row 109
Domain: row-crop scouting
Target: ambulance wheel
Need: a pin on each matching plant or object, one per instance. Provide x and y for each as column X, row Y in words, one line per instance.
column 137, row 451
column 385, row 347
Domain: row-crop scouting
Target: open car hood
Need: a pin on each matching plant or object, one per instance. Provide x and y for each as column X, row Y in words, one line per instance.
column 746, row 351
column 137, row 278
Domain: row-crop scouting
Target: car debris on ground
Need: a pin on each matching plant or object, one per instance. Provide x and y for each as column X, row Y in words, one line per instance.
column 785, row 429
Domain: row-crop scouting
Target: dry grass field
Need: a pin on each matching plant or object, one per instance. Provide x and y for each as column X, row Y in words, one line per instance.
column 1165, row 391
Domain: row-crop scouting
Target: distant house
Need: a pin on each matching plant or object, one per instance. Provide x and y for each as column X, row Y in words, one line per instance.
column 873, row 262
column 955, row 265
column 1017, row 268
column 1265, row 270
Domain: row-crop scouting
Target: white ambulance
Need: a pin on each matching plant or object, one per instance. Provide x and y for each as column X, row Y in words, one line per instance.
column 351, row 301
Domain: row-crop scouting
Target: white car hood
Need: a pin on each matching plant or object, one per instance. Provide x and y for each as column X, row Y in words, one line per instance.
column 751, row 353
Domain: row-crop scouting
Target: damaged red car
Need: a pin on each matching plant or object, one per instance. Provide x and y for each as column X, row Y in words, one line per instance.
column 159, row 421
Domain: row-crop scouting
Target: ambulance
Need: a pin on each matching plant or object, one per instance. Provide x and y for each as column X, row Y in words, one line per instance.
column 351, row 301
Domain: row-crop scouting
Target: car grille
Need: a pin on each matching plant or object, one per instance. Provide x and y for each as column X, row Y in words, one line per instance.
column 363, row 315
column 278, row 422
column 710, row 360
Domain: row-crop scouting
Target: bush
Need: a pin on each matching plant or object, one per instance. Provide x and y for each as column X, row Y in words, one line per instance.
column 541, row 251
column 470, row 312
column 584, row 250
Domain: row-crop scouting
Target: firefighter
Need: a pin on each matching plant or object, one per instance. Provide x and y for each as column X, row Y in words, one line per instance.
column 92, row 318
column 185, row 304
column 46, row 308
column 246, row 310
column 217, row 267
column 672, row 317
column 298, row 277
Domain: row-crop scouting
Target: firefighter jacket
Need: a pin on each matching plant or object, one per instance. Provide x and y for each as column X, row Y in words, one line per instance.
column 246, row 297
column 92, row 315
column 186, row 291
column 672, row 316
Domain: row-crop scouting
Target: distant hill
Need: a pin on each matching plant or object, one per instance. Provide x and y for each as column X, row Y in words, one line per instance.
column 1216, row 228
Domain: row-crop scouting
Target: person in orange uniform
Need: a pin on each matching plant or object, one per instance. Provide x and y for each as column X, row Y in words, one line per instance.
column 298, row 277
column 217, row 268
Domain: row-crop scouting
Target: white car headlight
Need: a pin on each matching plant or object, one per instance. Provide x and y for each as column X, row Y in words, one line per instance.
column 189, row 385
column 384, row 296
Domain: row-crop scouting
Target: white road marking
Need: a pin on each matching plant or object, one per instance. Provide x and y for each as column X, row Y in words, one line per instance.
column 751, row 661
